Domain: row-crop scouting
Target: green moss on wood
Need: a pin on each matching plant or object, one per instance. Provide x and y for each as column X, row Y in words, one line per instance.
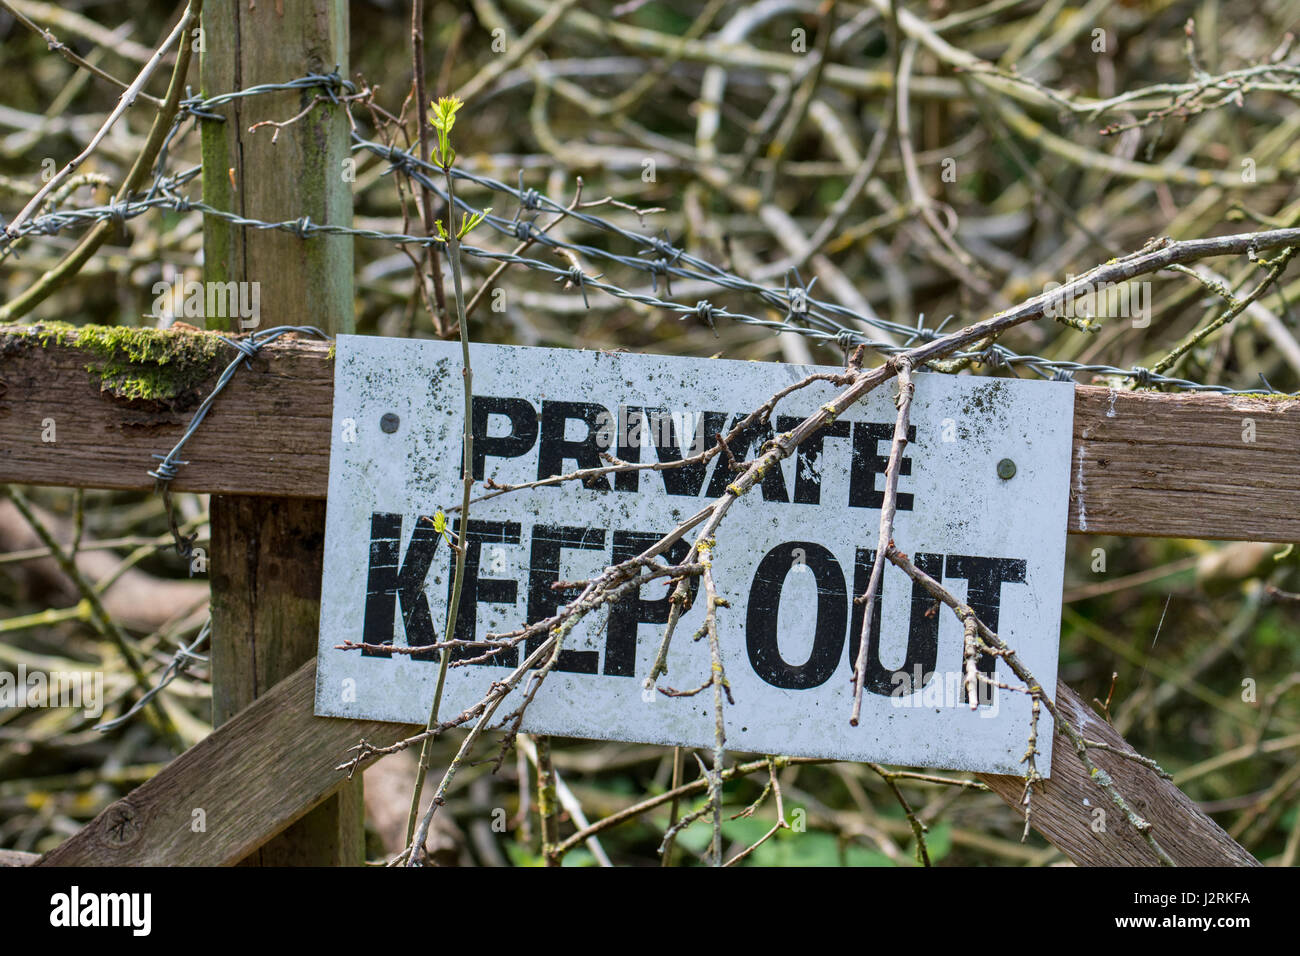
column 167, row 366
column 1269, row 396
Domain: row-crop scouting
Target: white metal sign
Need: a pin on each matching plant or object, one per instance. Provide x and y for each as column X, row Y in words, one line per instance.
column 790, row 555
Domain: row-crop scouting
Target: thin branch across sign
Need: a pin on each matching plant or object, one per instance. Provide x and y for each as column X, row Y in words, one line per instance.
column 788, row 559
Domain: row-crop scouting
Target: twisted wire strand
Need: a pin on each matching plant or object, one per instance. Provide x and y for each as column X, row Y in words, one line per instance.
column 656, row 256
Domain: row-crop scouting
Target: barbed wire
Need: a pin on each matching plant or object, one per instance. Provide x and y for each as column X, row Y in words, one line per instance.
column 802, row 313
column 180, row 662
column 169, row 464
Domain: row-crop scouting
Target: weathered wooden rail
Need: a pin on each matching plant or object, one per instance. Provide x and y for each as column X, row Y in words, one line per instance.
column 1204, row 466
column 1146, row 464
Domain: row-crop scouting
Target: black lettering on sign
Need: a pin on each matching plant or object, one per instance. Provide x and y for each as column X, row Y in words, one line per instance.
column 390, row 582
column 922, row 632
column 754, row 436
column 809, row 463
column 555, row 450
column 514, row 444
column 688, row 479
column 868, row 463
column 985, row 577
column 632, row 610
column 765, row 603
column 544, row 570
column 476, row 590
column 631, row 424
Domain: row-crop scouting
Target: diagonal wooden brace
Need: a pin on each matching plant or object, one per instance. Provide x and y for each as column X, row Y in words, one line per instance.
column 251, row 777
column 275, row 760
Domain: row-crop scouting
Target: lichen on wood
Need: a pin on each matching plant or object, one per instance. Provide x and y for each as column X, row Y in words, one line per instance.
column 166, row 366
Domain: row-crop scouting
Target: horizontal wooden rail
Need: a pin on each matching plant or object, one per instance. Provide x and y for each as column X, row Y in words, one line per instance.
column 1167, row 465
column 274, row 761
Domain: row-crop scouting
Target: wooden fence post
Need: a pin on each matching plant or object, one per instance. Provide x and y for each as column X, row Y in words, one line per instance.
column 266, row 555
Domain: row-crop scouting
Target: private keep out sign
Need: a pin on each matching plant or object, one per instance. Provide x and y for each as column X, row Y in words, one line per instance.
column 791, row 554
